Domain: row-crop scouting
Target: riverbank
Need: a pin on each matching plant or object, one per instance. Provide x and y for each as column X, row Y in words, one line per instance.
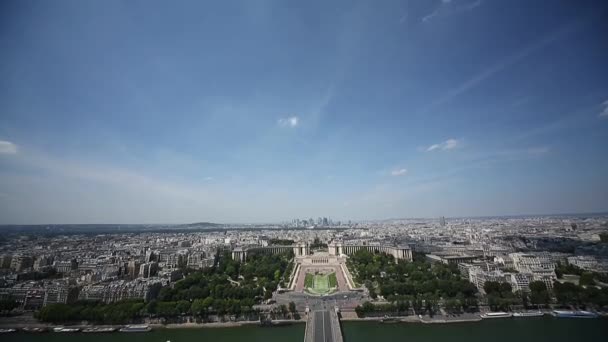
column 450, row 320
column 406, row 319
column 17, row 322
column 192, row 325
column 26, row 321
column 416, row 319
column 496, row 330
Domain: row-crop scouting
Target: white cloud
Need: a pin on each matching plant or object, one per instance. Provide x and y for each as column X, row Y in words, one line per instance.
column 449, row 144
column 398, row 172
column 604, row 112
column 291, row 121
column 7, row 147
column 208, row 179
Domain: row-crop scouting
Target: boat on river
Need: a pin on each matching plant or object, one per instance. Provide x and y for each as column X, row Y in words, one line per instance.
column 65, row 330
column 98, row 330
column 35, row 329
column 136, row 328
column 390, row 319
column 499, row 314
column 574, row 314
column 528, row 314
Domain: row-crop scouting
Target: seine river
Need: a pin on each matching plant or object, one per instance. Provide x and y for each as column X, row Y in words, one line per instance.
column 507, row 330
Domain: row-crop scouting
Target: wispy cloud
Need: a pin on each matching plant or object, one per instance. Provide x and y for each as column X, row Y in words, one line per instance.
column 508, row 155
column 319, row 108
column 484, row 160
column 447, row 145
column 573, row 119
column 115, row 189
column 7, row 147
column 604, row 112
column 450, row 7
column 291, row 121
column 501, row 65
column 208, row 179
column 398, row 172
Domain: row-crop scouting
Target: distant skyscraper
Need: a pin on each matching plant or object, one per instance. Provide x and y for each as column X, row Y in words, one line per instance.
column 442, row 221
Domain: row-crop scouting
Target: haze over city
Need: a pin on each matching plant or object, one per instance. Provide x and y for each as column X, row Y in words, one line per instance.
column 263, row 111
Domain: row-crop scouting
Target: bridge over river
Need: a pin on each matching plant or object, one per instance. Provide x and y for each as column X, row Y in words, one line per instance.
column 323, row 326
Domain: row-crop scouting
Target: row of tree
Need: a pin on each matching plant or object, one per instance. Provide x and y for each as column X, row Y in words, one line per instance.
column 318, row 244
column 571, row 294
column 419, row 285
column 501, row 297
column 202, row 307
column 228, row 287
column 400, row 308
column 420, row 305
column 380, row 273
column 114, row 313
column 281, row 242
column 585, row 277
column 6, row 305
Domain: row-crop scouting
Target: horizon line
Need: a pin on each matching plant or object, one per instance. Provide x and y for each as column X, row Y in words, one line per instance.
column 597, row 213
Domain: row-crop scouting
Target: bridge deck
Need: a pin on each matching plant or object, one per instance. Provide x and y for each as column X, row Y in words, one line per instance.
column 323, row 326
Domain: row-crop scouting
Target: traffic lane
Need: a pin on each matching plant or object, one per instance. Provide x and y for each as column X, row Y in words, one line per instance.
column 329, row 334
column 322, row 329
column 319, row 327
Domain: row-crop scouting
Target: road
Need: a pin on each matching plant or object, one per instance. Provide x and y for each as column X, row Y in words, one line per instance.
column 322, row 327
column 344, row 300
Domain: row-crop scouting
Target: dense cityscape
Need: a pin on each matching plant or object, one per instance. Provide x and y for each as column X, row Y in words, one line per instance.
column 429, row 270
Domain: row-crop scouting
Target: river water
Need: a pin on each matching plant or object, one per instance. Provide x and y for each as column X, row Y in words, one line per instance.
column 498, row 330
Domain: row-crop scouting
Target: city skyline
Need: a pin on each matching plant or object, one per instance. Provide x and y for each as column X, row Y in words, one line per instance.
column 269, row 111
column 332, row 221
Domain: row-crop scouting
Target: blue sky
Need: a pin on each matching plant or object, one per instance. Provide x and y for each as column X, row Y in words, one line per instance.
column 258, row 111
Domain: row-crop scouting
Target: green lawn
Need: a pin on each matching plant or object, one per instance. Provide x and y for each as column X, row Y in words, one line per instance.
column 309, row 280
column 333, row 281
column 320, row 283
